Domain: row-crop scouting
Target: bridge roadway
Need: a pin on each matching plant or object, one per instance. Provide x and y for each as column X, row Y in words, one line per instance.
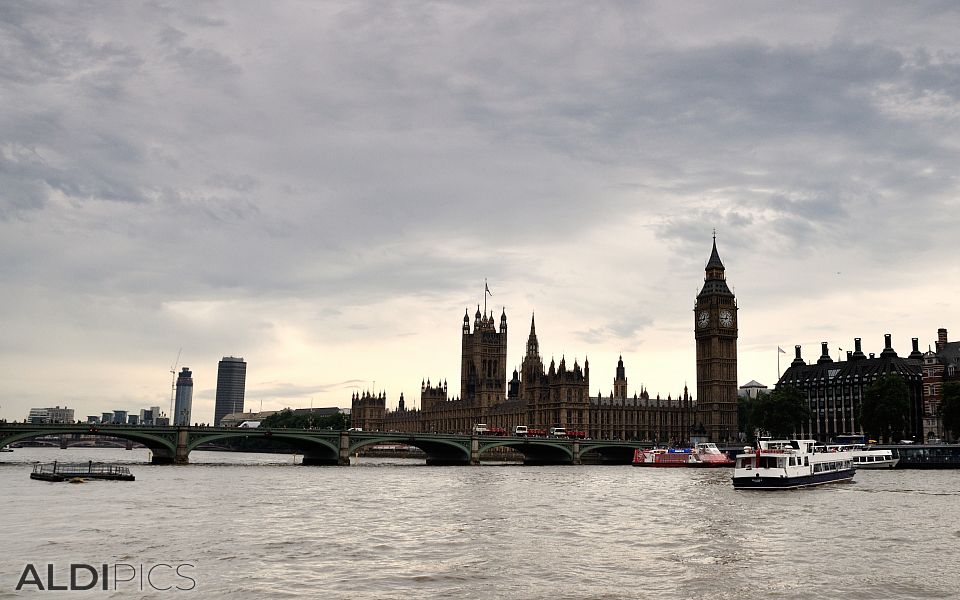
column 172, row 445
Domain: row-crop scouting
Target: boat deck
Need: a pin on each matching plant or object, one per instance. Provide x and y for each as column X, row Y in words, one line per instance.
column 58, row 471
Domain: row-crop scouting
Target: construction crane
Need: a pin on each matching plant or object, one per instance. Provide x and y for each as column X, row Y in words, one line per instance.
column 173, row 383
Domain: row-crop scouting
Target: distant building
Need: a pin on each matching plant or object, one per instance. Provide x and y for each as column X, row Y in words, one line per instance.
column 146, row 416
column 235, row 419
column 184, row 398
column 119, row 417
column 93, row 419
column 106, row 417
column 318, row 412
column 752, row 389
column 231, row 380
column 939, row 367
column 536, row 397
column 559, row 396
column 51, row 415
column 133, row 419
column 835, row 389
column 38, row 416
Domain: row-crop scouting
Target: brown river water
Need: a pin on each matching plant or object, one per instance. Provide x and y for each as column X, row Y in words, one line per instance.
column 260, row 526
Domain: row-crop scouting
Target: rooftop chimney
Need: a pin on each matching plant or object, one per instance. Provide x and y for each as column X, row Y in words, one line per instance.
column 857, row 352
column 916, row 349
column 798, row 360
column 941, row 339
column 888, row 350
column 824, row 354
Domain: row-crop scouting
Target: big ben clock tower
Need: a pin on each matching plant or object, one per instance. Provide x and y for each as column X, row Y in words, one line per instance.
column 715, row 330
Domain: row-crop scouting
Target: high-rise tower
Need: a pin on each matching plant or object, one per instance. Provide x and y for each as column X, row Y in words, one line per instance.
column 715, row 331
column 231, row 381
column 483, row 367
column 184, row 402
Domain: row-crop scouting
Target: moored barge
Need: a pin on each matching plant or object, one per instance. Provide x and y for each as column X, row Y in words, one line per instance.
column 57, row 471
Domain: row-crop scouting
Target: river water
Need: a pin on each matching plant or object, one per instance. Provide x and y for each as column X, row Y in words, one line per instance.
column 259, row 526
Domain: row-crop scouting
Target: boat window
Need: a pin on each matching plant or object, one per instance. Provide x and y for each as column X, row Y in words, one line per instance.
column 793, row 462
column 806, row 461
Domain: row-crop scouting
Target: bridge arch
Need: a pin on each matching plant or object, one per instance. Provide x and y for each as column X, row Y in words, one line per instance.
column 317, row 449
column 162, row 446
column 608, row 453
column 536, row 451
column 438, row 451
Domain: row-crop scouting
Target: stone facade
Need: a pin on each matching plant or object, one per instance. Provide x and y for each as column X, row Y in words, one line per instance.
column 559, row 395
column 715, row 331
column 939, row 367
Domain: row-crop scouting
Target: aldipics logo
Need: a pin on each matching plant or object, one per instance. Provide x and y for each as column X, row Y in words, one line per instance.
column 161, row 577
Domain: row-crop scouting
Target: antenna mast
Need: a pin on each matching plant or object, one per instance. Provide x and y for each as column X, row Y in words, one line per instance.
column 173, row 383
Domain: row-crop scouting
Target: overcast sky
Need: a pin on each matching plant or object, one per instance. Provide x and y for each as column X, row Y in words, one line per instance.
column 322, row 188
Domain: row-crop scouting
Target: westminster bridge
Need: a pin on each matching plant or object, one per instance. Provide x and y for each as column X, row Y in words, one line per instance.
column 172, row 445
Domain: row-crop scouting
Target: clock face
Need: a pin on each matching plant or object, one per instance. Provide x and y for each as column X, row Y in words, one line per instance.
column 726, row 318
column 703, row 319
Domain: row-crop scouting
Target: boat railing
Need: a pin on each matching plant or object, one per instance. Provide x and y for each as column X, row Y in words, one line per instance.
column 90, row 468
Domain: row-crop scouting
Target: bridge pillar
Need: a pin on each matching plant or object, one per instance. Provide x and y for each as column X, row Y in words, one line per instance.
column 182, row 455
column 343, row 458
column 576, row 453
column 63, row 442
column 474, row 450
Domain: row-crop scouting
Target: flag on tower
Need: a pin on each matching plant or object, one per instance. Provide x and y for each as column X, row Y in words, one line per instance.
column 781, row 350
column 486, row 288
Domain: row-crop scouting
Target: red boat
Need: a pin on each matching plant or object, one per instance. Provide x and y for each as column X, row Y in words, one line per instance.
column 704, row 455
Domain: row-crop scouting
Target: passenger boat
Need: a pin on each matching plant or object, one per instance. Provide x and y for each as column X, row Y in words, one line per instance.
column 58, row 471
column 865, row 457
column 789, row 464
column 703, row 455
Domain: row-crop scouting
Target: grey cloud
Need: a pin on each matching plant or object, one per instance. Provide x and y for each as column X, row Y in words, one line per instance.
column 345, row 154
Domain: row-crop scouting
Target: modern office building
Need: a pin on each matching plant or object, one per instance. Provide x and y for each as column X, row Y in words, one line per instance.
column 231, row 381
column 184, row 398
column 54, row 414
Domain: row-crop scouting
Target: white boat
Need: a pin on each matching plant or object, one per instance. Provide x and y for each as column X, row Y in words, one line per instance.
column 865, row 457
column 789, row 464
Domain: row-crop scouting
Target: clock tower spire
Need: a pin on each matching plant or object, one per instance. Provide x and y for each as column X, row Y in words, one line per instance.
column 715, row 331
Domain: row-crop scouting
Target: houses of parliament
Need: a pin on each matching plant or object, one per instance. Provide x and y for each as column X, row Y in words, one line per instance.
column 541, row 397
